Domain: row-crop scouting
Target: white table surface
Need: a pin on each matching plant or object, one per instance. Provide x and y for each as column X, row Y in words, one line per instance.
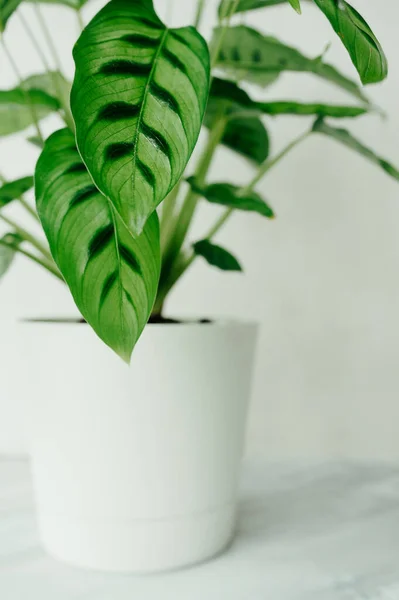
column 306, row 533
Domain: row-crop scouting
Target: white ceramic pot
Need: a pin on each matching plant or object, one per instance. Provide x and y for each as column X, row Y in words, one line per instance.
column 135, row 468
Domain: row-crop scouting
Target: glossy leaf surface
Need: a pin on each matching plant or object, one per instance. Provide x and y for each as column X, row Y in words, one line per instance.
column 138, row 100
column 216, row 256
column 359, row 40
column 113, row 277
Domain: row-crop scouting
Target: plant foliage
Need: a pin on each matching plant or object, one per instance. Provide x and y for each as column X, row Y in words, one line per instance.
column 138, row 100
column 113, row 276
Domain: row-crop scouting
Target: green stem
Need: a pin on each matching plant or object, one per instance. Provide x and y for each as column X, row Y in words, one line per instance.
column 34, row 258
column 80, row 19
column 28, row 208
column 269, row 164
column 178, row 235
column 22, row 86
column 34, row 41
column 47, row 36
column 182, row 264
column 67, row 116
column 27, row 236
column 168, row 213
column 198, row 15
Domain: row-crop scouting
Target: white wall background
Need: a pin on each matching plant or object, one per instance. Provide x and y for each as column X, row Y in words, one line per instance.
column 323, row 278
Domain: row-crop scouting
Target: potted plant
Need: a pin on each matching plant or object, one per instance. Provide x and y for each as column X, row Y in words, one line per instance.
column 135, row 467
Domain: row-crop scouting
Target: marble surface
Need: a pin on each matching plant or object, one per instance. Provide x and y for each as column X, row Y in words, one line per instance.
column 306, row 532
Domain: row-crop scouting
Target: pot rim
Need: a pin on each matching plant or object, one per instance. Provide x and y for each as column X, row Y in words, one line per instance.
column 194, row 323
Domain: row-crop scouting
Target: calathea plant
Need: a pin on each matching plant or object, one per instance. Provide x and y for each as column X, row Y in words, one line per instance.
column 140, row 95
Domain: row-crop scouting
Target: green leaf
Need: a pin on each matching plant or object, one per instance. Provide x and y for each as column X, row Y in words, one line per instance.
column 16, row 109
column 226, row 6
column 54, row 84
column 230, row 195
column 14, row 189
column 138, row 100
column 248, row 54
column 75, row 4
column 363, row 47
column 345, row 137
column 9, row 244
column 296, row 5
column 287, row 107
column 246, row 135
column 113, row 276
column 216, row 256
column 230, row 92
column 233, row 99
column 7, row 7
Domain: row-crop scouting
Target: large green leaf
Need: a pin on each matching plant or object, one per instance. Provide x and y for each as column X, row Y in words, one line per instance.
column 14, row 189
column 113, row 276
column 9, row 244
column 138, row 100
column 345, row 137
column 287, row 107
column 363, row 47
column 7, row 7
column 216, row 256
column 248, row 54
column 17, row 106
column 230, row 195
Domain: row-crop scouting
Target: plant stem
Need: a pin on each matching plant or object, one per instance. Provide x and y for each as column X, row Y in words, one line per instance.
column 198, row 15
column 269, row 164
column 34, row 41
column 28, row 208
column 47, row 36
column 49, row 267
column 27, row 236
column 176, row 240
column 168, row 213
column 181, row 266
column 47, row 67
column 80, row 19
column 23, row 89
column 67, row 116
